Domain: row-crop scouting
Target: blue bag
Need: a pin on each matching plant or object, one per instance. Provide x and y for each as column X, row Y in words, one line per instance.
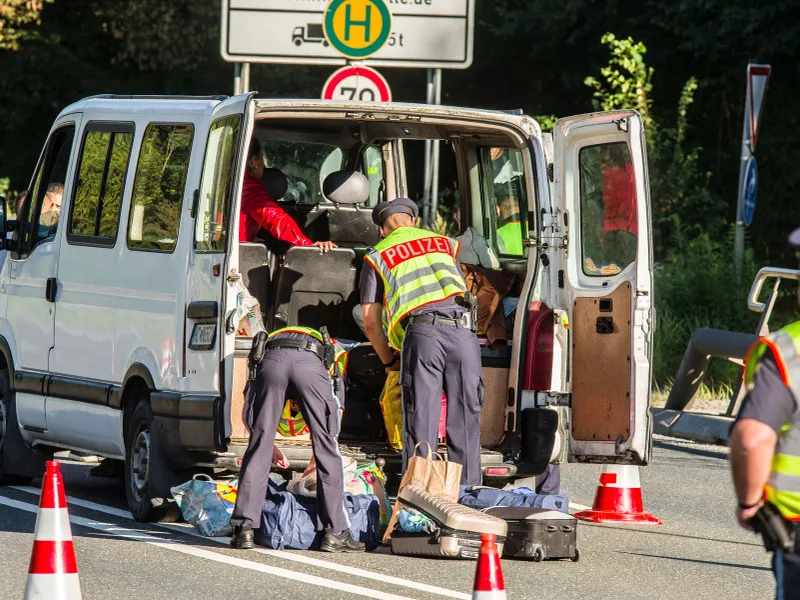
column 479, row 497
column 289, row 521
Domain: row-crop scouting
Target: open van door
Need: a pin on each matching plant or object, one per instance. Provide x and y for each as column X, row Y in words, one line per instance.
column 214, row 272
column 600, row 180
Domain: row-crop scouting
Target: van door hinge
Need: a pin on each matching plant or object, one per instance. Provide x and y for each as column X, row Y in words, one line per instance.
column 234, row 276
column 545, row 242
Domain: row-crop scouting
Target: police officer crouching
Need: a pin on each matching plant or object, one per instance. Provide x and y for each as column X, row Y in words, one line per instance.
column 302, row 363
column 765, row 449
column 412, row 280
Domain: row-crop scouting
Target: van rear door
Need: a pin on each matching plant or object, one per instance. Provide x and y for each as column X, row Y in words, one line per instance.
column 213, row 273
column 600, row 180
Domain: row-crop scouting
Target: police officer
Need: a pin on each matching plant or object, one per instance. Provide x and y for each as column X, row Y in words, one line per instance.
column 302, row 363
column 412, row 280
column 765, row 449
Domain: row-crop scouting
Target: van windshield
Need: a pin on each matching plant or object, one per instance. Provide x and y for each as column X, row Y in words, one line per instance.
column 306, row 165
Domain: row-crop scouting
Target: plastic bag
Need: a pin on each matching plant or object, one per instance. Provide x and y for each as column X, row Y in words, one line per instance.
column 370, row 480
column 306, row 485
column 392, row 408
column 207, row 504
column 412, row 521
column 248, row 313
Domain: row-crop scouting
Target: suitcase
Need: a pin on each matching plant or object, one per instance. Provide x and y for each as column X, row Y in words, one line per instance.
column 538, row 533
column 460, row 527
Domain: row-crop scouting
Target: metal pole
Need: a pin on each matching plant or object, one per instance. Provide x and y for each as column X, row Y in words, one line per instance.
column 738, row 240
column 245, row 77
column 437, row 85
column 429, row 97
column 237, row 78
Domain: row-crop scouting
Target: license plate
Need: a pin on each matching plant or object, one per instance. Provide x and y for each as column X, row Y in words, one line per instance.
column 203, row 336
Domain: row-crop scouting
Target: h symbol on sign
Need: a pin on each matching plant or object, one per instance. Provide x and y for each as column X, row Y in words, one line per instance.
column 349, row 22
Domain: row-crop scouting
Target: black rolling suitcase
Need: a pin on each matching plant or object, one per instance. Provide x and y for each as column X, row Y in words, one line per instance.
column 538, row 533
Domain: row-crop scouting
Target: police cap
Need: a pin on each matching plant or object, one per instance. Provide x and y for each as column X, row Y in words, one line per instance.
column 399, row 205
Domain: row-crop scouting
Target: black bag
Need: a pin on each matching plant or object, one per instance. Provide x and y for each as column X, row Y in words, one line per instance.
column 538, row 533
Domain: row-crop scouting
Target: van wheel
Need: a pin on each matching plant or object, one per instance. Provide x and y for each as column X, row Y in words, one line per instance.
column 11, row 442
column 145, row 465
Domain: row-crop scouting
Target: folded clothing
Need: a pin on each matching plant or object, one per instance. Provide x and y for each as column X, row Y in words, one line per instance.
column 480, row 497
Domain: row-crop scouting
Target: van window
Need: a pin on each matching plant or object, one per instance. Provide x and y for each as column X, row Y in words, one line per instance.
column 306, row 165
column 504, row 200
column 94, row 215
column 213, row 212
column 48, row 189
column 372, row 167
column 158, row 188
column 608, row 209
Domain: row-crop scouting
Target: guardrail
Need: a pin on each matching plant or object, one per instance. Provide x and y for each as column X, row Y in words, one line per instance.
column 764, row 274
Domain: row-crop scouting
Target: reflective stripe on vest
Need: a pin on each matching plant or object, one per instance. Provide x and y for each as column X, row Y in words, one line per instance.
column 783, row 486
column 417, row 268
column 341, row 354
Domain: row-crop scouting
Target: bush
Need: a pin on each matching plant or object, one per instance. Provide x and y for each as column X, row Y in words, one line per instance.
column 695, row 287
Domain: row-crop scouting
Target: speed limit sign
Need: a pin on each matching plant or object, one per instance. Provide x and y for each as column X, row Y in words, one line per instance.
column 356, row 84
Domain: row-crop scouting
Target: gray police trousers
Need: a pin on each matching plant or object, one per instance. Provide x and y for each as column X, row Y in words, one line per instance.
column 300, row 375
column 436, row 358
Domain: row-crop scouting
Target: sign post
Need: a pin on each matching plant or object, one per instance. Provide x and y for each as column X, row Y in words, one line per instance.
column 757, row 79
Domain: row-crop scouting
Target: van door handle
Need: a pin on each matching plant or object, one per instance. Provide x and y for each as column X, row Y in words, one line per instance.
column 50, row 289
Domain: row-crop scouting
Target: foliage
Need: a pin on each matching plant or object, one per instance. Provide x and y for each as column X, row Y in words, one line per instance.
column 628, row 80
column 546, row 122
column 18, row 21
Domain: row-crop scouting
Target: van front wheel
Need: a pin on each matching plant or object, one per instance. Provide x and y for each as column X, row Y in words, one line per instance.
column 144, row 466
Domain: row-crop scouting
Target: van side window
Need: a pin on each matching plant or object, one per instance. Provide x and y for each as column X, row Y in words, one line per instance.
column 608, row 209
column 48, row 189
column 213, row 211
column 99, row 184
column 505, row 200
column 158, row 187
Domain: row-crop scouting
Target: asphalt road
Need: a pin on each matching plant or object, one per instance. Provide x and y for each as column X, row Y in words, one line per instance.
column 698, row 553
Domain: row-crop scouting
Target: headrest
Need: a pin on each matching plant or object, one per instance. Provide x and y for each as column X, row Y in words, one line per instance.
column 275, row 183
column 346, row 187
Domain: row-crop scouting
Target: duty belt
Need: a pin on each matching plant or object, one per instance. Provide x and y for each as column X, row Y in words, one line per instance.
column 310, row 345
column 462, row 321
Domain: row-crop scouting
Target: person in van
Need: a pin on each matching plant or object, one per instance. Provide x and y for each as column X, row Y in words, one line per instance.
column 19, row 202
column 509, row 225
column 51, row 208
column 260, row 210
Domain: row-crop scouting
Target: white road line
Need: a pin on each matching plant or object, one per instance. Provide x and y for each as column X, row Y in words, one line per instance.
column 280, row 554
column 213, row 556
column 574, row 506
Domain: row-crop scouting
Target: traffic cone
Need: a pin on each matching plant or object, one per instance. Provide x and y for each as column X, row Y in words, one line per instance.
column 489, row 576
column 53, row 572
column 618, row 498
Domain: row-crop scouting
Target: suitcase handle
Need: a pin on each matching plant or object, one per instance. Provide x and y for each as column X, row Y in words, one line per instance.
column 551, row 528
column 566, row 528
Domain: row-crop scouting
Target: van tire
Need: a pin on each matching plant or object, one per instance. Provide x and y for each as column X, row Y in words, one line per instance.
column 147, row 472
column 13, row 448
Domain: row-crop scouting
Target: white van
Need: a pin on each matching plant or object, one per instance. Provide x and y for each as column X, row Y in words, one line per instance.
column 117, row 328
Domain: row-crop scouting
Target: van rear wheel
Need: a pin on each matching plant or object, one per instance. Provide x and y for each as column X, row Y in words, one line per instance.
column 11, row 442
column 145, row 465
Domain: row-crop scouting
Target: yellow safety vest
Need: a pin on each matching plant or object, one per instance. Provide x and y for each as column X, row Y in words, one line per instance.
column 783, row 486
column 510, row 239
column 417, row 267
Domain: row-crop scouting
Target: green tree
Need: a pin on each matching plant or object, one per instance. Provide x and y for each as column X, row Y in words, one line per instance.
column 18, row 21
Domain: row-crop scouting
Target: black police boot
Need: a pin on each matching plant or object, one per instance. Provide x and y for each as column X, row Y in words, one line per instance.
column 343, row 542
column 242, row 538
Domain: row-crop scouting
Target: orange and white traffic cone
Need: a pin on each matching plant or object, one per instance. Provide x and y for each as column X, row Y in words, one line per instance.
column 488, row 575
column 618, row 498
column 53, row 572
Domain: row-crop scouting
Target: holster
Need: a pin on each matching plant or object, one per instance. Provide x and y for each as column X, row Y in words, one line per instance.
column 256, row 355
column 776, row 532
column 471, row 304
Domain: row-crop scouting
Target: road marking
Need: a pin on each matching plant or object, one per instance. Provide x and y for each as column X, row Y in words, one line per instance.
column 281, row 554
column 574, row 506
column 213, row 556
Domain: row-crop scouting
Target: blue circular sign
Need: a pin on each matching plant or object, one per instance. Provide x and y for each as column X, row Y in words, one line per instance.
column 750, row 189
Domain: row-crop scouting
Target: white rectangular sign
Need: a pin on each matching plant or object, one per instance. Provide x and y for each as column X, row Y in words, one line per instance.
column 425, row 33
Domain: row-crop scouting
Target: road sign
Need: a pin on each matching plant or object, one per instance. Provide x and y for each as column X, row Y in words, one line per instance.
column 432, row 34
column 757, row 79
column 750, row 190
column 357, row 28
column 357, row 83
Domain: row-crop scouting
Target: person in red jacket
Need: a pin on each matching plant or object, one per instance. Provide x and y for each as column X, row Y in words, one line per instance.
column 260, row 210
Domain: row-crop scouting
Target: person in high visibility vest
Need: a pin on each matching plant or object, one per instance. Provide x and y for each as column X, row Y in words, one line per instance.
column 412, row 286
column 765, row 447
column 509, row 223
column 305, row 363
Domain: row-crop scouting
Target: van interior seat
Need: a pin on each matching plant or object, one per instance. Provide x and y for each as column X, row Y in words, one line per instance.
column 315, row 289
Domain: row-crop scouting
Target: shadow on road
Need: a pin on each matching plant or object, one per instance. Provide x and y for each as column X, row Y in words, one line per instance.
column 677, row 535
column 694, row 560
column 689, row 450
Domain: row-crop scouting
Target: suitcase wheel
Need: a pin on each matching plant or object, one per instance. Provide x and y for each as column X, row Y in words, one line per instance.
column 538, row 555
column 576, row 557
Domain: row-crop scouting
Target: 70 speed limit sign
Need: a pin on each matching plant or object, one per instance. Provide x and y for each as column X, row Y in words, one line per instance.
column 356, row 84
